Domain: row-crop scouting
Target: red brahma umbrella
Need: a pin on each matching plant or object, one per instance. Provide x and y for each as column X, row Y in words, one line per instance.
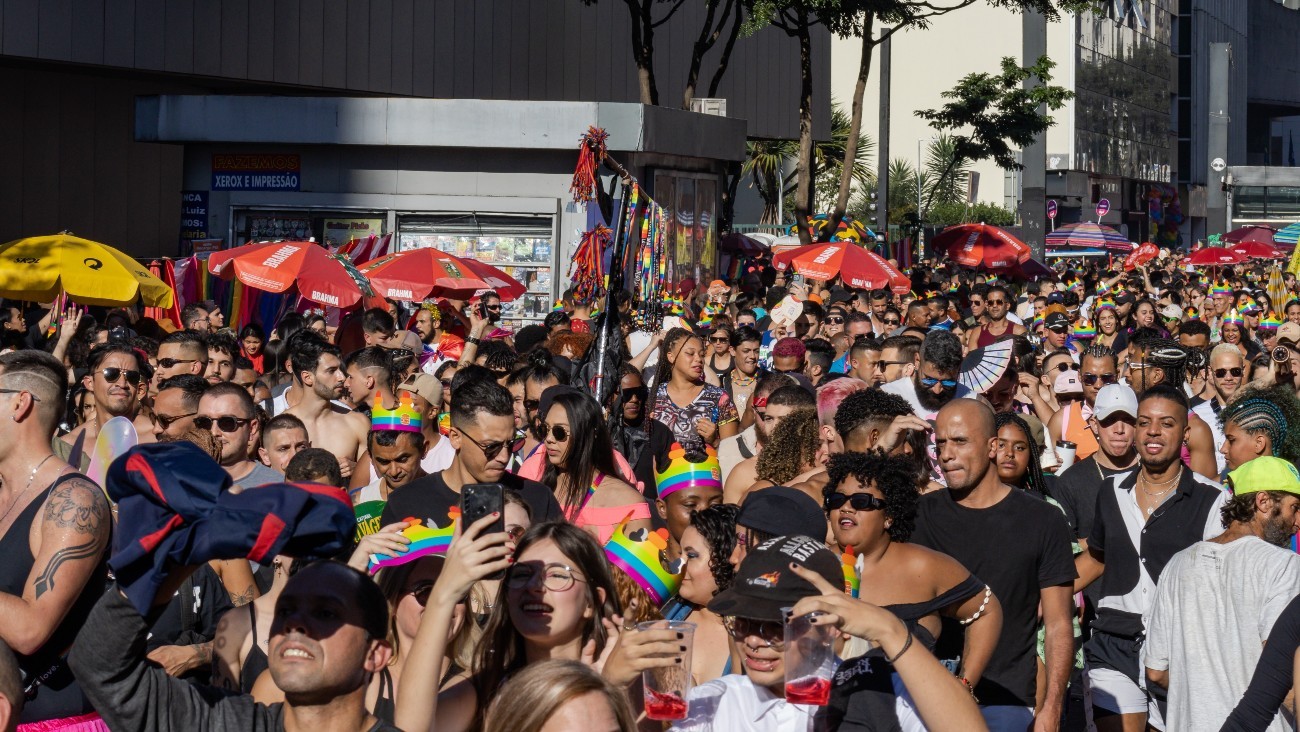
column 321, row 277
column 416, row 274
column 1214, row 257
column 1258, row 250
column 856, row 266
column 983, row 247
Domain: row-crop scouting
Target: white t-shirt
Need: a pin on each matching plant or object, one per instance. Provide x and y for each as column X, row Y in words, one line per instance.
column 732, row 702
column 1213, row 609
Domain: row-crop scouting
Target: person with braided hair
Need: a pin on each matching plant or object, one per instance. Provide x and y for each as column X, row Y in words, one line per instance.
column 1261, row 422
column 1155, row 361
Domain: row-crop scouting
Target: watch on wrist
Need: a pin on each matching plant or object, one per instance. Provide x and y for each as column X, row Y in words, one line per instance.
column 472, row 339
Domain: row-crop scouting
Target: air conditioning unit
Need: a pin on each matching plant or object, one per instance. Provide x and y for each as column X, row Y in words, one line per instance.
column 708, row 105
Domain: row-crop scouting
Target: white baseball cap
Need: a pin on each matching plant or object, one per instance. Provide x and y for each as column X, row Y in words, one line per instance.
column 1115, row 398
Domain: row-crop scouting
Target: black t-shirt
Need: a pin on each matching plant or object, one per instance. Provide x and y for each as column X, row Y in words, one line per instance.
column 429, row 499
column 1076, row 490
column 1018, row 546
column 190, row 618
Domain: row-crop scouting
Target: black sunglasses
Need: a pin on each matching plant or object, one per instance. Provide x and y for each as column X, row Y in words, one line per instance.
column 166, row 422
column 421, row 592
column 532, row 405
column 892, row 321
column 559, row 432
column 1090, row 379
column 638, row 392
column 225, row 424
column 112, row 374
column 1235, row 371
column 835, row 319
column 859, row 501
column 168, row 363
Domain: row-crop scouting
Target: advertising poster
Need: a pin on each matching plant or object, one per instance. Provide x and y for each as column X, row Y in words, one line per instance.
column 340, row 231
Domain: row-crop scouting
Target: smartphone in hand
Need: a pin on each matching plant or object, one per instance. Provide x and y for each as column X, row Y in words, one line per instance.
column 482, row 499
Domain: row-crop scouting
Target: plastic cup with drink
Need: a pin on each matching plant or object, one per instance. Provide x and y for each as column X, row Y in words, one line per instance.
column 809, row 660
column 665, row 689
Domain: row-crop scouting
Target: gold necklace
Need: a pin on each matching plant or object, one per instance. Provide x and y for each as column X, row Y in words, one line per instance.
column 23, row 492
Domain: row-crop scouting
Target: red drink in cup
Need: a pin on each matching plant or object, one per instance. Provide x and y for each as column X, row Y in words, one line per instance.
column 809, row 661
column 666, row 688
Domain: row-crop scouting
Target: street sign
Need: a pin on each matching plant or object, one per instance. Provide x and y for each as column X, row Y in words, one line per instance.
column 1217, row 165
column 1103, row 207
column 1051, row 210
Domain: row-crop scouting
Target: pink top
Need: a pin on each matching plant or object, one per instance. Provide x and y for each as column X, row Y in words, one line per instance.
column 535, row 465
column 604, row 519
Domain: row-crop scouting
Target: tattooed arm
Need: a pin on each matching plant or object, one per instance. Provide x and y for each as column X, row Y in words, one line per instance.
column 237, row 577
column 68, row 540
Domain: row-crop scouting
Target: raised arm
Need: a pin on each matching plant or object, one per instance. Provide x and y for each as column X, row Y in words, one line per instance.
column 74, row 529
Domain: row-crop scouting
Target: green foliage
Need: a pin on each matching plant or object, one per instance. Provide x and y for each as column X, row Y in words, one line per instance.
column 996, row 114
column 828, row 159
column 944, row 177
column 947, row 214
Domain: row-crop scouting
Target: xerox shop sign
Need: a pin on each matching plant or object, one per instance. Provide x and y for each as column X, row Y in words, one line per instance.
column 256, row 172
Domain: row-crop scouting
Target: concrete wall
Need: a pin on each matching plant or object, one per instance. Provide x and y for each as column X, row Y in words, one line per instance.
column 71, row 161
column 484, row 49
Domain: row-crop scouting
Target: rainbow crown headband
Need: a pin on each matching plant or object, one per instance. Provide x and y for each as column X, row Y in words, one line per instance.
column 425, row 542
column 1084, row 329
column 1220, row 288
column 1250, row 307
column 403, row 417
column 1234, row 318
column 638, row 557
column 1192, row 314
column 682, row 473
column 1106, row 304
column 1270, row 321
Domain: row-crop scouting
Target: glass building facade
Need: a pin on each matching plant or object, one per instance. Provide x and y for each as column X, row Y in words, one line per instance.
column 1124, row 84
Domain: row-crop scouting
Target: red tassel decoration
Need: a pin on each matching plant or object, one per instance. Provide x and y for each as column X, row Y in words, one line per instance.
column 585, row 270
column 590, row 154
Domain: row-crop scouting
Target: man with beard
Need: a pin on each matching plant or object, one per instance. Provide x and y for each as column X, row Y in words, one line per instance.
column 1252, row 575
column 934, row 383
column 1020, row 546
column 1097, row 368
column 175, row 406
column 318, row 376
column 747, row 443
column 996, row 305
column 775, row 408
column 439, row 345
column 1143, row 518
column 1154, row 361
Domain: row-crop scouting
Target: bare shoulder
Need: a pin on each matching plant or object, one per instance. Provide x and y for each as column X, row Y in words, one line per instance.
column 77, row 504
column 923, row 561
column 619, row 491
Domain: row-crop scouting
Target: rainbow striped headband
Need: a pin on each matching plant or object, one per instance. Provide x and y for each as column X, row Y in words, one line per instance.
column 1038, row 322
column 1106, row 304
column 638, row 556
column 1192, row 314
column 1084, row 330
column 425, row 542
column 1250, row 307
column 1220, row 288
column 681, row 473
column 1270, row 321
column 852, row 582
column 403, row 417
column 1234, row 318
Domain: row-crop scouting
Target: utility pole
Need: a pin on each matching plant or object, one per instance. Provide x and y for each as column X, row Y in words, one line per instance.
column 1216, row 202
column 1033, row 196
column 882, row 143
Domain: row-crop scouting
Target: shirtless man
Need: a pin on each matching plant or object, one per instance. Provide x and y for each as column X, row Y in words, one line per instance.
column 780, row 404
column 119, row 397
column 318, row 376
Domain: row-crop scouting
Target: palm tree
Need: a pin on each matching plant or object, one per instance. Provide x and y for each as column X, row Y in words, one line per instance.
column 828, row 160
column 765, row 163
column 945, row 175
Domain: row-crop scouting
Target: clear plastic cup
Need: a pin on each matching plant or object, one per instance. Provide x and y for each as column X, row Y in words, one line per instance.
column 809, row 661
column 665, row 689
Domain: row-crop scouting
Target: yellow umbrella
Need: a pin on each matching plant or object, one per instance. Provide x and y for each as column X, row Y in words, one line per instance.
column 38, row 268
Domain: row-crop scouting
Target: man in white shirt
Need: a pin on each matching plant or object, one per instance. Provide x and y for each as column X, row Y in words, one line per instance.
column 752, row 610
column 1217, row 600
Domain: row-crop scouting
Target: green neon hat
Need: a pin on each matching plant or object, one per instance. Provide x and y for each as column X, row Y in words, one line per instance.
column 1264, row 474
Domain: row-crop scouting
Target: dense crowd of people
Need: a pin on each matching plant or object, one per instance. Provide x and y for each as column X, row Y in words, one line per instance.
column 1061, row 504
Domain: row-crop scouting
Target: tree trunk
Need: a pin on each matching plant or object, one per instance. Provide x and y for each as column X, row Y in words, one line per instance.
column 803, row 167
column 643, row 48
column 703, row 43
column 855, row 127
column 737, row 19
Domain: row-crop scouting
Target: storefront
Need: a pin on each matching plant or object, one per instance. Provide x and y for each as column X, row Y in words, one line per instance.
column 464, row 176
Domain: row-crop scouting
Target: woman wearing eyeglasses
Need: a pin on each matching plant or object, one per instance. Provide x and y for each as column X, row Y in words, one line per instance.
column 580, row 466
column 870, row 500
column 557, row 600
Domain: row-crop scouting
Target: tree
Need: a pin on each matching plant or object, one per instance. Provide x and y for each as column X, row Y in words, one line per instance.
column 644, row 22
column 829, row 157
column 859, row 18
column 998, row 113
column 945, row 175
column 733, row 12
column 765, row 163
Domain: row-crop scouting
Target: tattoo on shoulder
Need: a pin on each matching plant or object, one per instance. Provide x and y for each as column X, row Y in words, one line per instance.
column 45, row 581
column 77, row 504
column 239, row 599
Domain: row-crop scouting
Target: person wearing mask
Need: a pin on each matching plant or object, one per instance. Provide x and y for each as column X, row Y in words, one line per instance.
column 1143, row 518
column 319, row 381
column 1202, row 653
column 175, row 406
column 228, row 412
column 53, row 535
column 1098, row 367
column 1017, row 544
column 482, row 425
column 182, row 352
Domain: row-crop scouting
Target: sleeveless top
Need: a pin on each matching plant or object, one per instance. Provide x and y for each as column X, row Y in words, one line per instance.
column 987, row 339
column 721, row 373
column 864, row 695
column 256, row 661
column 1075, row 429
column 56, row 694
column 605, row 518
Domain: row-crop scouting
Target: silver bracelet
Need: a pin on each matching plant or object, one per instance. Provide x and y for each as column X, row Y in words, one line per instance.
column 988, row 592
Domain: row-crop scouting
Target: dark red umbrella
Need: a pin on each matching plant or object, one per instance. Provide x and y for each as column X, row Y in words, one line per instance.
column 1251, row 233
column 857, row 267
column 416, row 274
column 1214, row 257
column 1258, row 250
column 983, row 247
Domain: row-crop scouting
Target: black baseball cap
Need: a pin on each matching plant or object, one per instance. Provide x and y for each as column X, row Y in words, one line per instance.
column 1057, row 321
column 782, row 511
column 765, row 584
column 1124, row 298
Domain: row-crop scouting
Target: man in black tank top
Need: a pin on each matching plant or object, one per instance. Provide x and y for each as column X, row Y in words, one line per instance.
column 54, row 527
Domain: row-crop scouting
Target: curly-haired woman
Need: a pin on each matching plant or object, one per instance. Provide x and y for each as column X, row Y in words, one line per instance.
column 870, row 500
column 706, row 571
